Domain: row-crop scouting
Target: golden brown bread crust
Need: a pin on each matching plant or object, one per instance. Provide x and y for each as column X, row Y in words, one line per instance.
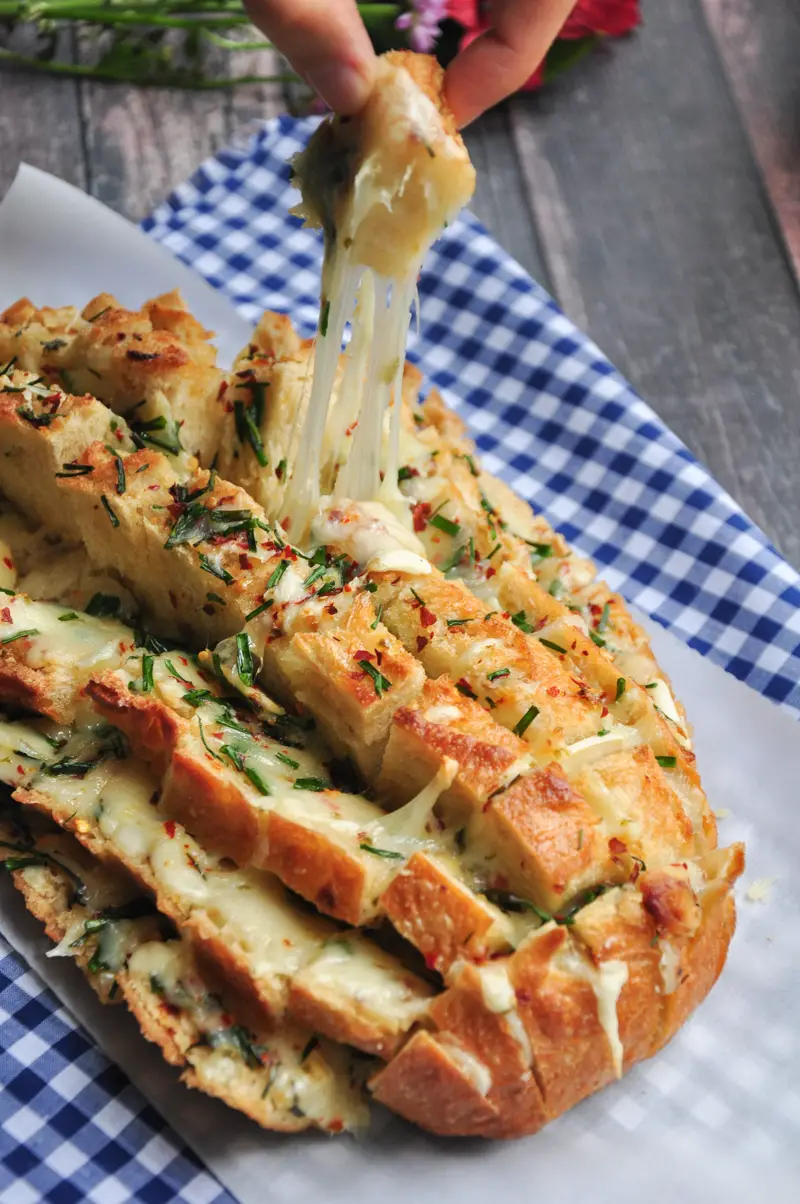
column 550, row 818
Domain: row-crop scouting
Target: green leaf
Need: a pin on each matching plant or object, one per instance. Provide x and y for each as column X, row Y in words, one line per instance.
column 565, row 53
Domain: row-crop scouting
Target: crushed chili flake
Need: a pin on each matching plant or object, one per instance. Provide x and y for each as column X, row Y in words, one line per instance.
column 426, row 617
column 222, row 388
column 8, row 562
column 5, row 615
column 169, row 828
column 420, row 514
column 363, row 655
column 331, row 610
column 244, row 561
column 604, row 712
column 615, row 845
column 490, row 572
column 422, row 640
column 553, row 691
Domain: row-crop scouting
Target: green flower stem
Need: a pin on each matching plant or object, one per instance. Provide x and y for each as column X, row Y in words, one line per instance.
column 176, row 79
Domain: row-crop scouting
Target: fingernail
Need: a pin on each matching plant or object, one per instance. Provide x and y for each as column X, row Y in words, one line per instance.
column 341, row 86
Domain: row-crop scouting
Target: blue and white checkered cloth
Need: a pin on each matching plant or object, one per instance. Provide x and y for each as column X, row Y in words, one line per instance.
column 553, row 417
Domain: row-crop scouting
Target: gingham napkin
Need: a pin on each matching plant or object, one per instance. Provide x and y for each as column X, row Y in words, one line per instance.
column 555, row 419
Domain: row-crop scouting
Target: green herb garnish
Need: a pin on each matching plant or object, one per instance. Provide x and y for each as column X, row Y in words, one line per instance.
column 527, row 719
column 380, row 682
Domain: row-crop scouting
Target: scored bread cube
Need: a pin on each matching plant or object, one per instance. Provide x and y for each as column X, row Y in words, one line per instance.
column 435, row 1083
column 431, row 905
column 284, row 1080
column 240, row 919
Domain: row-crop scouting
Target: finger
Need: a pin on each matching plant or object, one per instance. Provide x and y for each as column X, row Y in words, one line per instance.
column 325, row 41
column 503, row 58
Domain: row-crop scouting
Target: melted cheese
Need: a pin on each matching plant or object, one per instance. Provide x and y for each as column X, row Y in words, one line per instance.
column 475, row 1071
column 407, row 828
column 607, row 981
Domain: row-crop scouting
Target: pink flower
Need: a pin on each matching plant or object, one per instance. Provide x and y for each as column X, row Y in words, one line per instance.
column 422, row 21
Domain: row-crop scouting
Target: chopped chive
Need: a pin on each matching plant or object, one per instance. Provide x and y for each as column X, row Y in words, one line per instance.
column 195, row 697
column 465, row 688
column 471, row 464
column 404, row 473
column 667, row 762
column 455, row 559
column 542, row 551
column 416, row 596
column 457, row 622
column 102, row 606
column 596, row 639
column 520, row 620
column 255, row 777
column 248, row 431
column 527, row 719
column 444, row 524
column 371, row 587
column 244, row 658
column 20, row 635
column 580, row 838
column 556, row 588
column 497, row 673
column 280, row 470
column 555, row 647
column 325, row 314
column 234, row 755
column 309, row 1047
column 67, row 617
column 121, row 482
column 621, row 684
column 75, row 470
column 173, row 672
column 203, row 736
column 259, row 610
column 311, row 784
column 212, row 597
column 12, row 593
column 494, row 550
column 277, row 573
column 380, row 682
column 602, row 622
column 107, row 507
column 378, row 615
column 388, row 853
column 315, row 574
column 147, row 673
column 216, row 570
column 287, row 760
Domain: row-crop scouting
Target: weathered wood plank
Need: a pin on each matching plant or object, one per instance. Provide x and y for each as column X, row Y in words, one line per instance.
column 660, row 242
column 499, row 200
column 760, row 49
column 40, row 123
column 249, row 104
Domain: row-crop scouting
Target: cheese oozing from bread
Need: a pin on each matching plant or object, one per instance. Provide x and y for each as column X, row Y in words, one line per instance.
column 382, row 185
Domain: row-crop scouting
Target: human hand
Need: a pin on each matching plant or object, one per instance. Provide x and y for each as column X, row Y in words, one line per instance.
column 327, row 43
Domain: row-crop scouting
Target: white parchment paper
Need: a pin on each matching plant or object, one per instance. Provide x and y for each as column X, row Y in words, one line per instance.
column 715, row 1115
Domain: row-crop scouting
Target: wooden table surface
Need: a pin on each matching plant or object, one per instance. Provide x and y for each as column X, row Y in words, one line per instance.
column 655, row 191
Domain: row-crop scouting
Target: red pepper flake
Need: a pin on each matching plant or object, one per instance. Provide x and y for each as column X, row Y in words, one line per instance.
column 363, row 655
column 8, row 562
column 604, row 712
column 490, row 572
column 336, row 1125
column 20, row 769
column 169, row 828
column 420, row 514
column 465, row 688
column 221, row 391
column 553, row 691
column 431, row 960
column 331, row 610
column 244, row 561
column 5, row 615
column 422, row 640
column 615, row 845
column 426, row 617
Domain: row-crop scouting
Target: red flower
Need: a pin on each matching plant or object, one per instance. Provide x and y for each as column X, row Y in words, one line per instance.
column 608, row 18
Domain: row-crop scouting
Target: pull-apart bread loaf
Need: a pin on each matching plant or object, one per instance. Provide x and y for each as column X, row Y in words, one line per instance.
column 396, row 801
